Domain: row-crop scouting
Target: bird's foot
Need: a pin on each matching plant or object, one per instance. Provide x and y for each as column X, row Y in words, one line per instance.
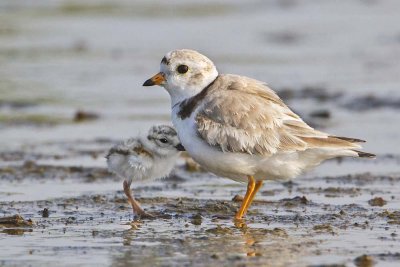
column 240, row 223
column 145, row 215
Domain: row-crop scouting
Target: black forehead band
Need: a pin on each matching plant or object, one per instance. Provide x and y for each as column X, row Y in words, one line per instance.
column 165, row 61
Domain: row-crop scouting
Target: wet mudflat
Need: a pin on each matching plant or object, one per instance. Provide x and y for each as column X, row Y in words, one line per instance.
column 70, row 87
column 80, row 216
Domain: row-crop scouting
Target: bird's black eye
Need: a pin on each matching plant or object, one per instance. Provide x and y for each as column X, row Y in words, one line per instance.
column 163, row 140
column 182, row 69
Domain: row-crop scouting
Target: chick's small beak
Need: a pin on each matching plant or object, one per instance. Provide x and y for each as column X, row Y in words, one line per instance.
column 155, row 80
column 180, row 147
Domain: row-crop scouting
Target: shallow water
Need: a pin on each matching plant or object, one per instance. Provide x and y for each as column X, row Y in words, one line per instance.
column 322, row 220
column 61, row 56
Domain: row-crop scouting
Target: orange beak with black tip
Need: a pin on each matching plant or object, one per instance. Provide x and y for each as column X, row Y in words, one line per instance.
column 157, row 79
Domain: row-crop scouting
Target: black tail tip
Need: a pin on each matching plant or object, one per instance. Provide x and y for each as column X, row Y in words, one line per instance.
column 362, row 154
column 351, row 140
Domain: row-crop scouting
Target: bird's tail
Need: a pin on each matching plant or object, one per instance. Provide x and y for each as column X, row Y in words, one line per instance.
column 361, row 154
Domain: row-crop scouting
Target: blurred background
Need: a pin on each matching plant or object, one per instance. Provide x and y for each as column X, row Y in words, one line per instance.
column 61, row 56
column 71, row 75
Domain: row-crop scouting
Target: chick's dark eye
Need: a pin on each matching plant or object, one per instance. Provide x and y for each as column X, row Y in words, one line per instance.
column 163, row 140
column 182, row 69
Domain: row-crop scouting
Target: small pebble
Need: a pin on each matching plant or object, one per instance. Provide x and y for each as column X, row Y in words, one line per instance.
column 364, row 261
column 237, row 198
column 45, row 213
column 377, row 201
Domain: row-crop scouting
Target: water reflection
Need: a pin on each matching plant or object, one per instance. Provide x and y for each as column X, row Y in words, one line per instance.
column 16, row 231
column 176, row 243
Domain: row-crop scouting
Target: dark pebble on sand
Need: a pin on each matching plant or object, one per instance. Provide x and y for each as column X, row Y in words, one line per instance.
column 364, row 261
column 237, row 198
column 377, row 201
column 323, row 114
column 196, row 219
column 45, row 213
column 81, row 116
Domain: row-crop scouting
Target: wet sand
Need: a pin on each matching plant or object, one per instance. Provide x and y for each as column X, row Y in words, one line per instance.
column 70, row 86
column 80, row 216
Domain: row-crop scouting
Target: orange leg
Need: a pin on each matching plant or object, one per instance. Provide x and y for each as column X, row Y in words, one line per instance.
column 253, row 194
column 250, row 188
column 135, row 205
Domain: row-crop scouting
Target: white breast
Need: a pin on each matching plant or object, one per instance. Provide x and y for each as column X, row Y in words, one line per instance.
column 132, row 166
column 238, row 166
column 141, row 167
column 232, row 165
column 162, row 167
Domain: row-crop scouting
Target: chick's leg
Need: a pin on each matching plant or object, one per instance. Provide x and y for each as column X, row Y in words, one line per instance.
column 137, row 209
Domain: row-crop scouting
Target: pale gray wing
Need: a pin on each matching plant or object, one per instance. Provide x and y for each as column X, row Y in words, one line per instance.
column 244, row 115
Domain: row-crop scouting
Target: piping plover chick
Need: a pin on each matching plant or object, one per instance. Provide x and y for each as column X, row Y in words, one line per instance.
column 144, row 158
column 239, row 128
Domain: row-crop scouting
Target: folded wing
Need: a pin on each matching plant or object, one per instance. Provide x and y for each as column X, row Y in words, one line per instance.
column 244, row 115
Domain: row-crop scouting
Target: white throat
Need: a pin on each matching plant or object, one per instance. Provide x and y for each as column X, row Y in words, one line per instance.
column 180, row 93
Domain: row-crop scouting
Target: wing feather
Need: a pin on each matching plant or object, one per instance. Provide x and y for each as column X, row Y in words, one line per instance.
column 244, row 115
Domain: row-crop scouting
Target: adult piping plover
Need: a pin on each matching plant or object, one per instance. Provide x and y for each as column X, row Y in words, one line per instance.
column 239, row 128
column 144, row 158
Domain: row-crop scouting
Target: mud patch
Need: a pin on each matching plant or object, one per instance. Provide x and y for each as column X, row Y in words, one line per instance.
column 372, row 102
column 320, row 94
column 377, row 201
column 191, row 212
